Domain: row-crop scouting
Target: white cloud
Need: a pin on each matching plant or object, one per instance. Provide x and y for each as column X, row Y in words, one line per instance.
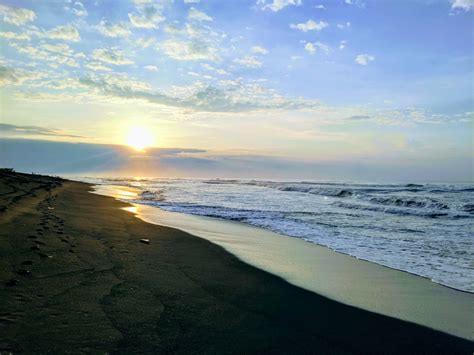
column 111, row 56
column 342, row 45
column 151, row 67
column 97, row 66
column 197, row 15
column 310, row 48
column 259, row 50
column 146, row 17
column 320, row 7
column 47, row 54
column 465, row 5
column 113, row 29
column 364, row 59
column 313, row 47
column 221, row 72
column 249, row 61
column 15, row 36
column 343, row 25
column 191, row 1
column 277, row 5
column 77, row 9
column 211, row 68
column 310, row 25
column 358, row 3
column 66, row 33
column 188, row 50
column 10, row 76
column 61, row 48
column 16, row 15
column 145, row 42
column 240, row 97
column 142, row 2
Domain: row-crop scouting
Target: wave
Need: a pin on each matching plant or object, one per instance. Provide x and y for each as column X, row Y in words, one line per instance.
column 410, row 203
column 420, row 212
column 148, row 195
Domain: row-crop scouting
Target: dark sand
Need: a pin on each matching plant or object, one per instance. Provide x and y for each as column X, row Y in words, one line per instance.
column 76, row 278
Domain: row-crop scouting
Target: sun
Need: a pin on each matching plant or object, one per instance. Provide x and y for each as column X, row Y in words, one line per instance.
column 139, row 138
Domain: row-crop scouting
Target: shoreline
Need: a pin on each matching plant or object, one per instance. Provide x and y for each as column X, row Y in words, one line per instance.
column 240, row 239
column 76, row 278
column 420, row 243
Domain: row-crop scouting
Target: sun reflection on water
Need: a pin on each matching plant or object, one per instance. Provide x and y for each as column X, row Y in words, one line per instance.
column 132, row 209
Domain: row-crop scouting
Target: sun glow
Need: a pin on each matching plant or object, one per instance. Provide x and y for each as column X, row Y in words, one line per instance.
column 139, row 138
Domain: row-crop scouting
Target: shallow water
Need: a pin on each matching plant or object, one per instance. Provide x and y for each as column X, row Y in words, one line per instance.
column 423, row 229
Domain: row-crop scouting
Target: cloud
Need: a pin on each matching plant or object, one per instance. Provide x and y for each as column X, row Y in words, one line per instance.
column 466, row 5
column 62, row 48
column 97, row 66
column 189, row 50
column 113, row 29
column 217, row 70
column 320, row 7
column 10, row 76
column 16, row 15
column 240, row 98
column 144, row 42
column 249, row 62
column 358, row 3
column 342, row 45
column 146, row 17
column 46, row 52
column 313, row 47
column 151, row 67
column 82, row 159
column 310, row 25
column 277, row 5
column 364, row 59
column 343, row 25
column 77, row 8
column 111, row 56
column 259, row 50
column 358, row 118
column 33, row 130
column 191, row 1
column 15, row 36
column 66, row 33
column 197, row 15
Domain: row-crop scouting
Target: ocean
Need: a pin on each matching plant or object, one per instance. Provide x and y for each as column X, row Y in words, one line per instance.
column 424, row 229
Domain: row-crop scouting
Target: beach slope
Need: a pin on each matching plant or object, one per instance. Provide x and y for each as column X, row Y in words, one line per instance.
column 76, row 276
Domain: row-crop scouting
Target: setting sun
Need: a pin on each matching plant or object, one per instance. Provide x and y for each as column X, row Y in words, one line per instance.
column 139, row 138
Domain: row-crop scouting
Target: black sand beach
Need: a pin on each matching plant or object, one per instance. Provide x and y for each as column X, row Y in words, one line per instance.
column 76, row 278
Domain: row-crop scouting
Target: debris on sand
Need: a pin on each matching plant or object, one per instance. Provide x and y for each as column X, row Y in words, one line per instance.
column 145, row 241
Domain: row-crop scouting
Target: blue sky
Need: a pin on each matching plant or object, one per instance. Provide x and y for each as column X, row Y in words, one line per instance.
column 322, row 81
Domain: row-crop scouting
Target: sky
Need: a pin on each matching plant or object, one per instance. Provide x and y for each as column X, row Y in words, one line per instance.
column 339, row 89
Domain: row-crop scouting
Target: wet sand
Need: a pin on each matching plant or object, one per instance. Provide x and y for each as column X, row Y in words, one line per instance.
column 76, row 278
